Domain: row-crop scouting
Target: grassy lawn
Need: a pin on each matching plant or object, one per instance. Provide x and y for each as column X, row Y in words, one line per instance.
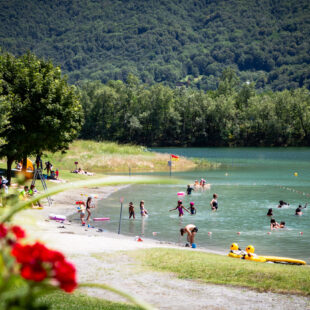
column 63, row 301
column 218, row 269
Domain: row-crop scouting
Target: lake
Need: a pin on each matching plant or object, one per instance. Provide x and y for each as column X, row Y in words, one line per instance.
column 248, row 183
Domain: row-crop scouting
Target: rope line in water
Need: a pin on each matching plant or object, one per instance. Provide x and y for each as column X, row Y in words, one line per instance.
column 295, row 191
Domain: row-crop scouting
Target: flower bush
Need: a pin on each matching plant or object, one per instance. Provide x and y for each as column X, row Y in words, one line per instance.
column 30, row 270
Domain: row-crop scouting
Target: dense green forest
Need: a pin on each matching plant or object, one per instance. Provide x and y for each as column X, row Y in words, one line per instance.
column 233, row 115
column 264, row 41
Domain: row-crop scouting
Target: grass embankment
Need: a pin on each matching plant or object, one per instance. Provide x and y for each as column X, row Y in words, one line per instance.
column 63, row 301
column 105, row 157
column 218, row 269
column 112, row 157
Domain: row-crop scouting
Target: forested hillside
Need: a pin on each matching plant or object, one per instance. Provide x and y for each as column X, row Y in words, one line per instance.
column 265, row 41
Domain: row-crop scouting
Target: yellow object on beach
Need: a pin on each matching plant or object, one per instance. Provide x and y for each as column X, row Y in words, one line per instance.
column 255, row 258
column 287, row 260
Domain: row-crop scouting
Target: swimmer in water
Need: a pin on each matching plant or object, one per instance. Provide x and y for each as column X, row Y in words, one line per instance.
column 180, row 208
column 189, row 189
column 143, row 211
column 214, row 203
column 298, row 210
column 282, row 203
column 192, row 209
column 191, row 231
column 269, row 213
column 282, row 224
column 274, row 224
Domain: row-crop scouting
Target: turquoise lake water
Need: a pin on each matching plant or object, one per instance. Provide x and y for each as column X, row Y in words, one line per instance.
column 248, row 183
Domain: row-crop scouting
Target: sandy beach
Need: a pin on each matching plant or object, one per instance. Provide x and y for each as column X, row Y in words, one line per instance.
column 101, row 257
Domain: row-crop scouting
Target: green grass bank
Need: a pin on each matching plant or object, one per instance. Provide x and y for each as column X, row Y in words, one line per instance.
column 218, row 269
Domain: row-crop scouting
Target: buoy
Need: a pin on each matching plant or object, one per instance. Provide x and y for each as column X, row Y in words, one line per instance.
column 181, row 194
column 301, row 233
column 295, row 174
column 210, row 233
column 238, row 233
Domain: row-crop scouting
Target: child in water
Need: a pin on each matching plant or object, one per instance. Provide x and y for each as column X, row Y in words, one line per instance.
column 143, row 211
column 180, row 208
column 269, row 213
column 213, row 203
column 131, row 210
column 282, row 224
column 192, row 209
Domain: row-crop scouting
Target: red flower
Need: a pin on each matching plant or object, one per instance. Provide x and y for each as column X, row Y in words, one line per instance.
column 18, row 232
column 33, row 272
column 65, row 274
column 38, row 263
column 3, row 231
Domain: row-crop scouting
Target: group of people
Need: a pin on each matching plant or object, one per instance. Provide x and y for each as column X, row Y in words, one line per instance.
column 196, row 186
column 276, row 225
column 28, row 193
column 86, row 207
column 81, row 171
column 143, row 211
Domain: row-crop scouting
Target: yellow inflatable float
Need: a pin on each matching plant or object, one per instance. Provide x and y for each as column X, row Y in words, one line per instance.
column 249, row 254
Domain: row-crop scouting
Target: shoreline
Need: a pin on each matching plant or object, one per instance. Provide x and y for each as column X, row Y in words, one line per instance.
column 100, row 257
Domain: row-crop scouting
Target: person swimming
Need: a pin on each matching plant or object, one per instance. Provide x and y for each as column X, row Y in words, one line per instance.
column 282, row 203
column 298, row 210
column 180, row 208
column 214, row 203
column 269, row 213
column 274, row 224
column 282, row 224
column 192, row 209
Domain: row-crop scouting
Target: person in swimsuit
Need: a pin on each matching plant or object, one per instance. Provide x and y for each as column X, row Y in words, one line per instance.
column 269, row 213
column 189, row 190
column 131, row 211
column 180, row 208
column 89, row 205
column 143, row 211
column 213, row 203
column 274, row 224
column 192, row 209
column 282, row 224
column 191, row 231
column 298, row 210
column 282, row 203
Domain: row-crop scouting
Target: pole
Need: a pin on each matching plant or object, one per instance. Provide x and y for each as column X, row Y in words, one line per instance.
column 170, row 165
column 120, row 215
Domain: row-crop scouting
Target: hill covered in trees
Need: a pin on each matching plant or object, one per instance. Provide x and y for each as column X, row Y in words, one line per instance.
column 264, row 41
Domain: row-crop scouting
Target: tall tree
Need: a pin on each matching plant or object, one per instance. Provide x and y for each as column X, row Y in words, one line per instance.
column 44, row 112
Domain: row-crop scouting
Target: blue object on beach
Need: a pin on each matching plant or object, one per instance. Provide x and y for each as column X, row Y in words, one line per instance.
column 194, row 245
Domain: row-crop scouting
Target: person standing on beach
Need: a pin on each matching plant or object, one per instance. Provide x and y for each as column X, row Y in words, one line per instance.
column 89, row 205
column 214, row 203
column 191, row 231
column 180, row 208
column 131, row 211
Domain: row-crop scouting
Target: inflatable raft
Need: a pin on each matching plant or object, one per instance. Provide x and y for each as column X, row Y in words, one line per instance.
column 249, row 255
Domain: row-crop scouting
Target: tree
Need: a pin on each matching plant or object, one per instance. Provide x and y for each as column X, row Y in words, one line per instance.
column 44, row 112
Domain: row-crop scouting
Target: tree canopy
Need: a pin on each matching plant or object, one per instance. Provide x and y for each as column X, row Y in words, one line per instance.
column 43, row 111
column 265, row 42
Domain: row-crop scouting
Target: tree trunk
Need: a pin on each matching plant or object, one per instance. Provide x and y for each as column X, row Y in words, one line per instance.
column 8, row 169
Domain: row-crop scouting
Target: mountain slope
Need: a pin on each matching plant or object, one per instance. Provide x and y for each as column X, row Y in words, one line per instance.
column 266, row 41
